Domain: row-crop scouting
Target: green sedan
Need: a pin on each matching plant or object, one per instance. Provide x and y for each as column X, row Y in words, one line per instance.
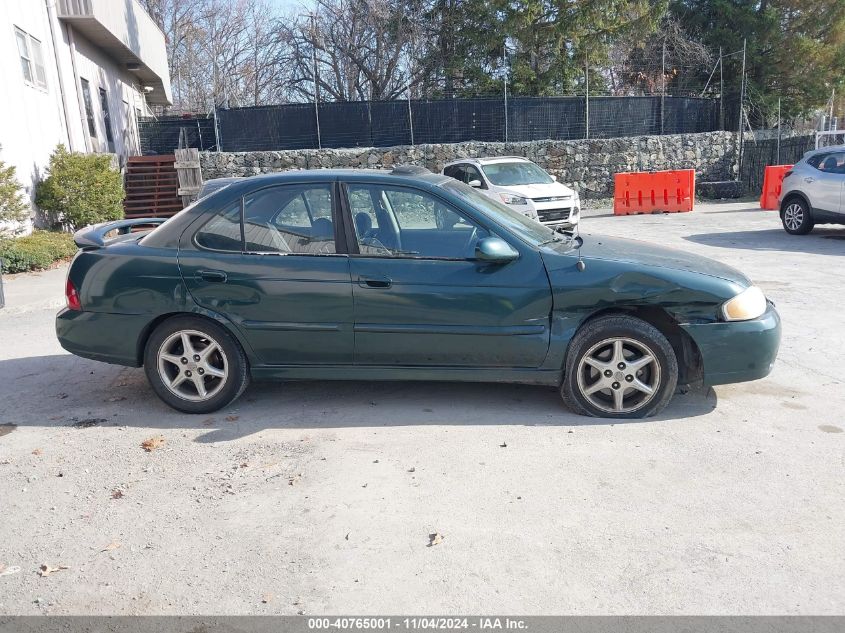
column 404, row 275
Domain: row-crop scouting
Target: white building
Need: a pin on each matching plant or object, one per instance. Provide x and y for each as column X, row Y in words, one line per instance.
column 76, row 72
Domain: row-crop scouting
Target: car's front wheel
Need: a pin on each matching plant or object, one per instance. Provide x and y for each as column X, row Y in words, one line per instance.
column 195, row 365
column 796, row 217
column 619, row 367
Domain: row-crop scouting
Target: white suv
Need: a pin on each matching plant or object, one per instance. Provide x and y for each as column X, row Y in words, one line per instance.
column 522, row 185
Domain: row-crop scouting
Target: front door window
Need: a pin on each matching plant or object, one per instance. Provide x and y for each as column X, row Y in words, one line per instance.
column 405, row 222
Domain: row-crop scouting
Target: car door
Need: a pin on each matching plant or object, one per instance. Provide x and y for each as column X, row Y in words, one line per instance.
column 825, row 182
column 270, row 263
column 420, row 299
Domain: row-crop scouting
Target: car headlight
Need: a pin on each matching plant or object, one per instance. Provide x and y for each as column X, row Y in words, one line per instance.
column 748, row 304
column 515, row 200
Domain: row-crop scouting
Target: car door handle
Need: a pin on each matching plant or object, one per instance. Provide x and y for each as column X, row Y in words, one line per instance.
column 809, row 179
column 374, row 282
column 217, row 276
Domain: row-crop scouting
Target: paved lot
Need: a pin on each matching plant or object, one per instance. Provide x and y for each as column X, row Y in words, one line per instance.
column 320, row 498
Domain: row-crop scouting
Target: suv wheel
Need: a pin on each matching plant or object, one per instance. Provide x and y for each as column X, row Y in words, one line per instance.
column 195, row 365
column 619, row 367
column 796, row 217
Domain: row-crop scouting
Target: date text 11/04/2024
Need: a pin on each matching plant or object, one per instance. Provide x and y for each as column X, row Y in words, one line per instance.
column 418, row 623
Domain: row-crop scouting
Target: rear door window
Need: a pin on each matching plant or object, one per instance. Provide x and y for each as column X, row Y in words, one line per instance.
column 288, row 219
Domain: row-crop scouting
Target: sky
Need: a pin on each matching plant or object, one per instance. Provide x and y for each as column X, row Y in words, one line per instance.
column 292, row 6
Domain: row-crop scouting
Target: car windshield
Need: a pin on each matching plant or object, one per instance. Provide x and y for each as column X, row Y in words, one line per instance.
column 516, row 173
column 531, row 231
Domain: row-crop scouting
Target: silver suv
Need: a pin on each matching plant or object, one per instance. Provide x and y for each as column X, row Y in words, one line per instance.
column 814, row 191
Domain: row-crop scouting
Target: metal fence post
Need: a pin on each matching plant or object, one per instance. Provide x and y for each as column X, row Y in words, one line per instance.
column 779, row 124
column 587, row 96
column 663, row 89
column 741, row 138
column 410, row 116
column 505, row 66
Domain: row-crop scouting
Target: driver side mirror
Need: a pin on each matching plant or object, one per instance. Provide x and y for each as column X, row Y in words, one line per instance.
column 495, row 250
column 475, row 184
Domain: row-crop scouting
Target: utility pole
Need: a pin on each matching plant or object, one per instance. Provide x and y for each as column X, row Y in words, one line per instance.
column 741, row 138
column 587, row 97
column 313, row 17
column 663, row 89
column 505, row 66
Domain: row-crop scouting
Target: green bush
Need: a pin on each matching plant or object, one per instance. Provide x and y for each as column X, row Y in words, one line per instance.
column 13, row 208
column 81, row 189
column 37, row 251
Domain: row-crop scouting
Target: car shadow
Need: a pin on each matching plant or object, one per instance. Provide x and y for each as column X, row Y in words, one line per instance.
column 64, row 390
column 824, row 240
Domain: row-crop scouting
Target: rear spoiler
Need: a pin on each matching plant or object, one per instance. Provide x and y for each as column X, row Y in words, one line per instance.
column 95, row 236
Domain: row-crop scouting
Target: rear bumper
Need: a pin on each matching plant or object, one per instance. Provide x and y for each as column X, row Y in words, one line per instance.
column 738, row 351
column 110, row 338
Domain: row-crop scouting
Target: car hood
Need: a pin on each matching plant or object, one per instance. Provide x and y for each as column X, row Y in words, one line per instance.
column 537, row 190
column 635, row 252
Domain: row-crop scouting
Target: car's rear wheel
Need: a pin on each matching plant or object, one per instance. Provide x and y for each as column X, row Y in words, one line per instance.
column 796, row 217
column 195, row 365
column 619, row 367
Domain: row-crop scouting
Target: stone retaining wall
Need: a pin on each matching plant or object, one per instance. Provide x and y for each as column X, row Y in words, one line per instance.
column 586, row 165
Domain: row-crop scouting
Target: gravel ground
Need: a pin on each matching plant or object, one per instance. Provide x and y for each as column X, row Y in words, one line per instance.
column 320, row 497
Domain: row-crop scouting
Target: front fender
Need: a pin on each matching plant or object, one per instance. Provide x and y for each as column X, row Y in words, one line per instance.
column 603, row 286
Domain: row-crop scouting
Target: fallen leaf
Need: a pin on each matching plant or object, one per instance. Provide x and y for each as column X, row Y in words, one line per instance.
column 347, row 536
column 8, row 571
column 111, row 546
column 117, row 399
column 266, row 597
column 412, row 469
column 435, row 539
column 208, row 422
column 46, row 570
column 503, row 445
column 117, row 493
column 37, row 451
column 232, row 418
column 152, row 443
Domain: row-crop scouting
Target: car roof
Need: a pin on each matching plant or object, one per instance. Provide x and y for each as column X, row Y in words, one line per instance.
column 825, row 150
column 400, row 174
column 489, row 160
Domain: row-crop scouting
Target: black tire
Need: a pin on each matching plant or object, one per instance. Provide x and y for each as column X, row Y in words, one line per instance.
column 640, row 340
column 229, row 358
column 796, row 217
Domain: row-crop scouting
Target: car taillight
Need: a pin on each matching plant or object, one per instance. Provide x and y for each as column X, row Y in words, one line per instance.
column 72, row 297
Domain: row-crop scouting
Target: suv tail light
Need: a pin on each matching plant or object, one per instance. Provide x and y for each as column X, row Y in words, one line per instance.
column 72, row 297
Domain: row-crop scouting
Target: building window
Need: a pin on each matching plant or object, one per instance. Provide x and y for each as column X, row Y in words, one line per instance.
column 38, row 60
column 31, row 55
column 89, row 110
column 104, row 106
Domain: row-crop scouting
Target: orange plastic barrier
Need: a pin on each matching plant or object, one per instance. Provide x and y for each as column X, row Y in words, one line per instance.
column 772, row 185
column 654, row 192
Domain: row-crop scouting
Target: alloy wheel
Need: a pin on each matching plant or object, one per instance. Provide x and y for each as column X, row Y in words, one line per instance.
column 192, row 365
column 793, row 216
column 619, row 375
